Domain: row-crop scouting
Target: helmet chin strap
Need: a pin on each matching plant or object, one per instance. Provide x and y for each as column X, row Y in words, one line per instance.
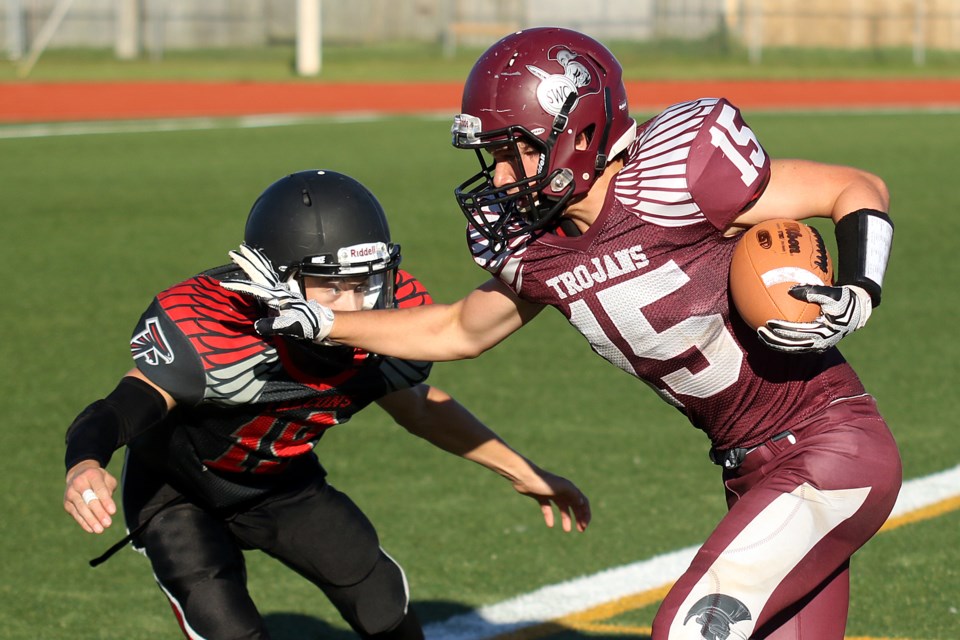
column 560, row 123
column 601, row 162
column 565, row 176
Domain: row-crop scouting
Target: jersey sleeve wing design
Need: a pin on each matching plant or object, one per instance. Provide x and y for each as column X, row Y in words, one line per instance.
column 506, row 264
column 696, row 161
column 219, row 328
column 409, row 292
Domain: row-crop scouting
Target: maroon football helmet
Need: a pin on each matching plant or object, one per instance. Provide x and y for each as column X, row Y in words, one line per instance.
column 544, row 86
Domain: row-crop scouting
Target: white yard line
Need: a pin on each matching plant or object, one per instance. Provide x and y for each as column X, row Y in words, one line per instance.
column 581, row 594
column 53, row 129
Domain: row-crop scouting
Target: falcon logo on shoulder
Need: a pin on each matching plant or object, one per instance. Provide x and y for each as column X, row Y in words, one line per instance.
column 151, row 345
column 716, row 613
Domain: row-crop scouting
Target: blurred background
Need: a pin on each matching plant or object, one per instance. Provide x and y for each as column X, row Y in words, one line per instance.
column 912, row 33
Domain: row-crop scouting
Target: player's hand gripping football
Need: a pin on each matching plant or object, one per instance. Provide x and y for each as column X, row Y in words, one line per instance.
column 296, row 316
column 843, row 310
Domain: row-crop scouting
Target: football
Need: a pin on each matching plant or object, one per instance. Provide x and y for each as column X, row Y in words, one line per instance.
column 769, row 259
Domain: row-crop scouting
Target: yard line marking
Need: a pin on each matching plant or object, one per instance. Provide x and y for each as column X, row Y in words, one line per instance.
column 54, row 129
column 926, row 497
column 581, row 602
column 98, row 127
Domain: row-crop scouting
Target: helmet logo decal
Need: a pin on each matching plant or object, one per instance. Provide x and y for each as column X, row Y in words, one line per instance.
column 368, row 252
column 151, row 345
column 576, row 78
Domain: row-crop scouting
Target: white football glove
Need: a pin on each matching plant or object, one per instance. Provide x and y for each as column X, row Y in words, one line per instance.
column 296, row 317
column 843, row 310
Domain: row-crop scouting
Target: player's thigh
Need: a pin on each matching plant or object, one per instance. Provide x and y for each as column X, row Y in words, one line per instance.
column 734, row 573
column 317, row 530
column 200, row 568
column 321, row 534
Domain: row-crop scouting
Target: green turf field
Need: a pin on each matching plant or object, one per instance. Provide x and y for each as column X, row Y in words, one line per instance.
column 94, row 225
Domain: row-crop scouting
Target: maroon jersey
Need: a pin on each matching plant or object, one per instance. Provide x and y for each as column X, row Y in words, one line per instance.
column 646, row 284
column 250, row 407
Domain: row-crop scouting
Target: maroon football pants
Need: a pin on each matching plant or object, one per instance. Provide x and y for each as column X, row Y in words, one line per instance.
column 777, row 565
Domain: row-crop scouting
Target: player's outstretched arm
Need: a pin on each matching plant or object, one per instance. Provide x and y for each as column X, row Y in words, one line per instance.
column 106, row 425
column 437, row 332
column 433, row 415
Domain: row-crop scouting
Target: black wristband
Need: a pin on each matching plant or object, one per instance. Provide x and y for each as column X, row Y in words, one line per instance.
column 864, row 238
column 108, row 424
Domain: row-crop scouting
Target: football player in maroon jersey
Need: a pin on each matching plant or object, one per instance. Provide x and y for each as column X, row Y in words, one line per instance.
column 628, row 231
column 220, row 422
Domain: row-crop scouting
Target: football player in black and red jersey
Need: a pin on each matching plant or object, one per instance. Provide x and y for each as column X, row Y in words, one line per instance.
column 220, row 422
column 628, row 230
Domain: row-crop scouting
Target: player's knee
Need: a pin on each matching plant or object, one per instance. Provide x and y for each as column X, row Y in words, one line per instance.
column 222, row 609
column 202, row 574
column 378, row 604
column 408, row 629
column 184, row 551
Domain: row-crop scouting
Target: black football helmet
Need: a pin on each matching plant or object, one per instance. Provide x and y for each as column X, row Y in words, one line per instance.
column 323, row 223
column 546, row 86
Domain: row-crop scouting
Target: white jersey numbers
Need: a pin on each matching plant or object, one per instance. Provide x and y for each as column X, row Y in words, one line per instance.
column 739, row 145
column 624, row 302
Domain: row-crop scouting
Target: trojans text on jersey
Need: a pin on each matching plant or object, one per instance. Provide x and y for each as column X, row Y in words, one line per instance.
column 609, row 266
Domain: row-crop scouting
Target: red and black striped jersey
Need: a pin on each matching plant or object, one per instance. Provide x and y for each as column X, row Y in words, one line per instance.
column 249, row 404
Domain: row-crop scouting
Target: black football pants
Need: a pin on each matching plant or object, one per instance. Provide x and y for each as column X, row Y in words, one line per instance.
column 316, row 530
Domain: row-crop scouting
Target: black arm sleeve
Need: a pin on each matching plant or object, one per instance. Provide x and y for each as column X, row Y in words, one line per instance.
column 864, row 240
column 108, row 424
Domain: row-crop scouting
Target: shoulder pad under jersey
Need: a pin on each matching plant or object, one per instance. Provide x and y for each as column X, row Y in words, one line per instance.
column 197, row 341
column 728, row 169
column 409, row 292
column 696, row 160
column 165, row 356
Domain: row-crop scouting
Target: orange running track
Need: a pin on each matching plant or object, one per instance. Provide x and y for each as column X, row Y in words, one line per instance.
column 23, row 102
